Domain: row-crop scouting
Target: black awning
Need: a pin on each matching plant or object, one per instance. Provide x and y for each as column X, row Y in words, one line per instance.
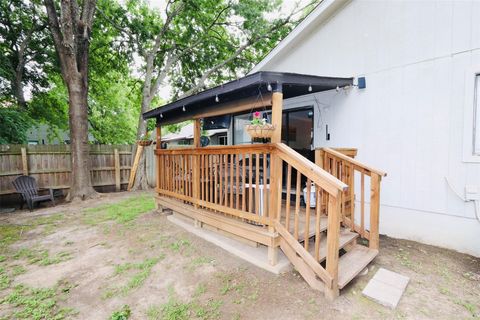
column 291, row 84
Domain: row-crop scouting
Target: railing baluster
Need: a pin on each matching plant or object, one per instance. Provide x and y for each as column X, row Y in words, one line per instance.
column 237, row 181
column 202, row 177
column 307, row 214
column 161, row 169
column 187, row 175
column 205, row 176
column 288, row 197
column 250, row 182
column 221, row 172
column 351, row 194
column 216, row 180
column 244, row 180
column 231, row 179
column 257, row 183
column 179, row 190
column 167, row 170
column 190, row 176
column 175, row 173
column 172, row 177
column 265, row 191
column 362, row 205
column 297, row 205
column 210, row 181
column 318, row 209
column 183, row 175
column 226, row 181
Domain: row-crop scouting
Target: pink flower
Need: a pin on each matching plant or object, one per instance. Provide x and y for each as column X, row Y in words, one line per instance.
column 256, row 114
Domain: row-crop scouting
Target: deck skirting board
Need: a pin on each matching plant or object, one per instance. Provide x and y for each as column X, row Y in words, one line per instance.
column 256, row 256
column 250, row 232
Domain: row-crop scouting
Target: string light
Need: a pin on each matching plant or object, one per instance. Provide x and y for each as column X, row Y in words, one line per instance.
column 216, row 98
column 310, row 88
column 161, row 115
column 183, row 109
column 269, row 87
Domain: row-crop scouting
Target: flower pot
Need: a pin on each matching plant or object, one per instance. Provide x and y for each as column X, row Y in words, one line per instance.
column 144, row 143
column 260, row 131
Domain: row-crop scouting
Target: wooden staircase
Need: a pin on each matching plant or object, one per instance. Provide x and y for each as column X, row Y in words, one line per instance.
column 353, row 257
column 321, row 242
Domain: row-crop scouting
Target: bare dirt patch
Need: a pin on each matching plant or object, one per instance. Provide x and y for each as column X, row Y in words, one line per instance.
column 140, row 264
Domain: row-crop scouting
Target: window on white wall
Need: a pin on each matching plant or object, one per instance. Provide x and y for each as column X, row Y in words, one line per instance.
column 476, row 117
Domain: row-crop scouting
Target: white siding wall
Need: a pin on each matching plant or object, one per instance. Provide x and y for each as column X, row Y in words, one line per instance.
column 409, row 121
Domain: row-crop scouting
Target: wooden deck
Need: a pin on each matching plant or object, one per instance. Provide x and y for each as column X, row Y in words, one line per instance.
column 222, row 187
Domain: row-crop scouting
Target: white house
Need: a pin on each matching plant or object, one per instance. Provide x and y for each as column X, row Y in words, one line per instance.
column 418, row 118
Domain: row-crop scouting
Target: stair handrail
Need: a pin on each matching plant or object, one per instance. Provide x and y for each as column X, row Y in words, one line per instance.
column 367, row 169
column 334, row 188
column 309, row 169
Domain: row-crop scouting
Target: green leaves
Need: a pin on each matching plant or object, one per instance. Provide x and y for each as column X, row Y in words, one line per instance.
column 14, row 125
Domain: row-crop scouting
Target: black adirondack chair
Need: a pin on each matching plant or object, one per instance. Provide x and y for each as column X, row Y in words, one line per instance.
column 27, row 186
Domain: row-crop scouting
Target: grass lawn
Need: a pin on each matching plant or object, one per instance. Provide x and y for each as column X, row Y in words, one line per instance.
column 116, row 258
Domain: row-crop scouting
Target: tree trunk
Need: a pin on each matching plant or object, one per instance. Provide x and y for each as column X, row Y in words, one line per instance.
column 71, row 34
column 18, row 88
column 141, row 182
column 81, row 186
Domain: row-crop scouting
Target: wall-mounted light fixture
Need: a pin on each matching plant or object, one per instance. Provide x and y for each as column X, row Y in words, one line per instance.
column 361, row 83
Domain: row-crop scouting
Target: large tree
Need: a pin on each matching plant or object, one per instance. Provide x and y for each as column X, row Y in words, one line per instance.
column 71, row 26
column 197, row 43
column 23, row 49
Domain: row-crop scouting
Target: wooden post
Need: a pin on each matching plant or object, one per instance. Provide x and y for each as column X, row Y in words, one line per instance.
column 277, row 107
column 319, row 154
column 275, row 173
column 133, row 170
column 197, row 133
column 374, row 210
column 117, row 169
column 24, row 161
column 196, row 163
column 333, row 239
column 158, row 146
column 275, row 161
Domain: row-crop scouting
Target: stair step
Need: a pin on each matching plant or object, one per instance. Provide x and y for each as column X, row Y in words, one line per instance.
column 301, row 225
column 346, row 237
column 353, row 262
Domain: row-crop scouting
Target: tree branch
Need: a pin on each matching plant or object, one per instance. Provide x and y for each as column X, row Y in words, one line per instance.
column 166, row 25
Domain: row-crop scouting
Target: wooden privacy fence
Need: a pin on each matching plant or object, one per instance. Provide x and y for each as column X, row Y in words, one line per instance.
column 50, row 165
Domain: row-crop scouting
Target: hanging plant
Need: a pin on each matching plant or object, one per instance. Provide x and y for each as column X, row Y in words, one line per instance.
column 144, row 140
column 259, row 127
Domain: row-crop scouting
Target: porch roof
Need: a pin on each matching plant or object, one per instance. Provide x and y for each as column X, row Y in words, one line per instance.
column 291, row 84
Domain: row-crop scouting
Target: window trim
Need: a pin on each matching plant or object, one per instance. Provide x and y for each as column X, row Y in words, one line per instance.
column 471, row 110
column 223, row 136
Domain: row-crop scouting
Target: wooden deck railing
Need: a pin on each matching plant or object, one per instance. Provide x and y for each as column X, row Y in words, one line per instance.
column 346, row 169
column 232, row 180
column 245, row 182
